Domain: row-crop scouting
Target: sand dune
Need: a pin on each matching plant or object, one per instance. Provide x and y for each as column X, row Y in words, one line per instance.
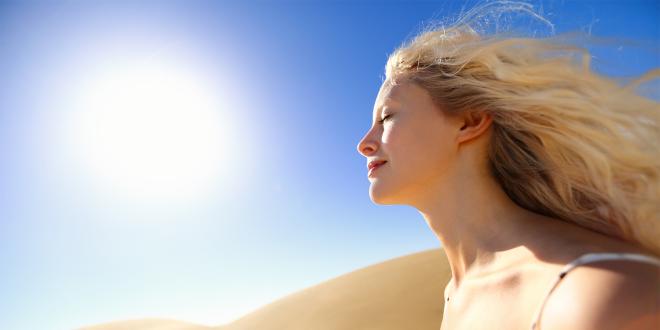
column 401, row 293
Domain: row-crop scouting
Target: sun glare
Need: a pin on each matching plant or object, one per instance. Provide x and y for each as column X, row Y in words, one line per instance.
column 151, row 131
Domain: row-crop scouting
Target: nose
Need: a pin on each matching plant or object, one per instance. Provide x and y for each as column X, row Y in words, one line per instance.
column 368, row 145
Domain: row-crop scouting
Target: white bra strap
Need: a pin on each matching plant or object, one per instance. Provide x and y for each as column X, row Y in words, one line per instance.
column 588, row 258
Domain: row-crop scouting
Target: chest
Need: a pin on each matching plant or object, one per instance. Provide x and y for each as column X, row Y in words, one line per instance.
column 504, row 303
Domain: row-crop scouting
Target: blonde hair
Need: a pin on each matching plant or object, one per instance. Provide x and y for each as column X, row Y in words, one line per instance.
column 567, row 142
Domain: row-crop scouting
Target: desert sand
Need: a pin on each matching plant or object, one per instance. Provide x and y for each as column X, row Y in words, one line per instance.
column 401, row 293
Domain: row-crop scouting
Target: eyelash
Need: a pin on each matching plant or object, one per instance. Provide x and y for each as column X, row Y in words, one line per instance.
column 384, row 118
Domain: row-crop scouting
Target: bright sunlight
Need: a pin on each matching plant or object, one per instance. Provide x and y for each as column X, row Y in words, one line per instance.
column 151, row 131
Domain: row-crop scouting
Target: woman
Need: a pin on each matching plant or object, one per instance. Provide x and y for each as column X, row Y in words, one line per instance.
column 540, row 178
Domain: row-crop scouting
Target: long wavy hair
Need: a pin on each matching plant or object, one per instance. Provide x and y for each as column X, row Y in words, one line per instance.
column 567, row 142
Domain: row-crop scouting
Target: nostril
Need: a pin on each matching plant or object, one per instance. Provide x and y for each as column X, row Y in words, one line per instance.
column 362, row 147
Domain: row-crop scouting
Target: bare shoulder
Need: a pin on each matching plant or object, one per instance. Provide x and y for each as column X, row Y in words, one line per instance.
column 614, row 294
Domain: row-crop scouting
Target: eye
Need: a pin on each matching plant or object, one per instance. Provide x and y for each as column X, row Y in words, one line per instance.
column 384, row 118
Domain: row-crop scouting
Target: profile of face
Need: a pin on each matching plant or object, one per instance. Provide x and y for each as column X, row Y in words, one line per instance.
column 417, row 141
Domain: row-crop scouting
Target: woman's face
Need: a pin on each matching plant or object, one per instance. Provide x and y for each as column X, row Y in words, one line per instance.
column 416, row 141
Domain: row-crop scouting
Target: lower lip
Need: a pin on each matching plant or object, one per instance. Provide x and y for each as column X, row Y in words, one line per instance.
column 371, row 171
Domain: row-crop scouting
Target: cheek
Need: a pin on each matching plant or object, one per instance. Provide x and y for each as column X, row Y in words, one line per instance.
column 422, row 151
column 402, row 148
column 389, row 135
column 398, row 145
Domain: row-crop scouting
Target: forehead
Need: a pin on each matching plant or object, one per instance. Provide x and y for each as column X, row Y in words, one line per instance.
column 388, row 93
column 397, row 94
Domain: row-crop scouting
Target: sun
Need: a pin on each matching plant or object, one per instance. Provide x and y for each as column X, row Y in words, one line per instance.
column 152, row 131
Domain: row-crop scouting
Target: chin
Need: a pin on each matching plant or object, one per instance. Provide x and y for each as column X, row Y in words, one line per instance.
column 379, row 196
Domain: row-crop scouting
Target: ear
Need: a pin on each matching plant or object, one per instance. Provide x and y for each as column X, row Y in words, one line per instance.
column 474, row 125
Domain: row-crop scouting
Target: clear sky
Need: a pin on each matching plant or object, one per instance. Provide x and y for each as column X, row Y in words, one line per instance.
column 197, row 160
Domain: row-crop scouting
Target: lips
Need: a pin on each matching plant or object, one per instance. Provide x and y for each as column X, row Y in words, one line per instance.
column 375, row 164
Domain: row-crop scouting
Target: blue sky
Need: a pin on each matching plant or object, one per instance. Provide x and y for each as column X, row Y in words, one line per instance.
column 266, row 195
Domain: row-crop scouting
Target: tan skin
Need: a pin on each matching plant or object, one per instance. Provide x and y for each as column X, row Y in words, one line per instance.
column 503, row 258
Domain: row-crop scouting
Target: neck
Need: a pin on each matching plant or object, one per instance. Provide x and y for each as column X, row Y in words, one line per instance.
column 474, row 220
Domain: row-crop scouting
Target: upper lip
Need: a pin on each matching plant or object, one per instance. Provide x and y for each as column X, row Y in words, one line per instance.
column 375, row 163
